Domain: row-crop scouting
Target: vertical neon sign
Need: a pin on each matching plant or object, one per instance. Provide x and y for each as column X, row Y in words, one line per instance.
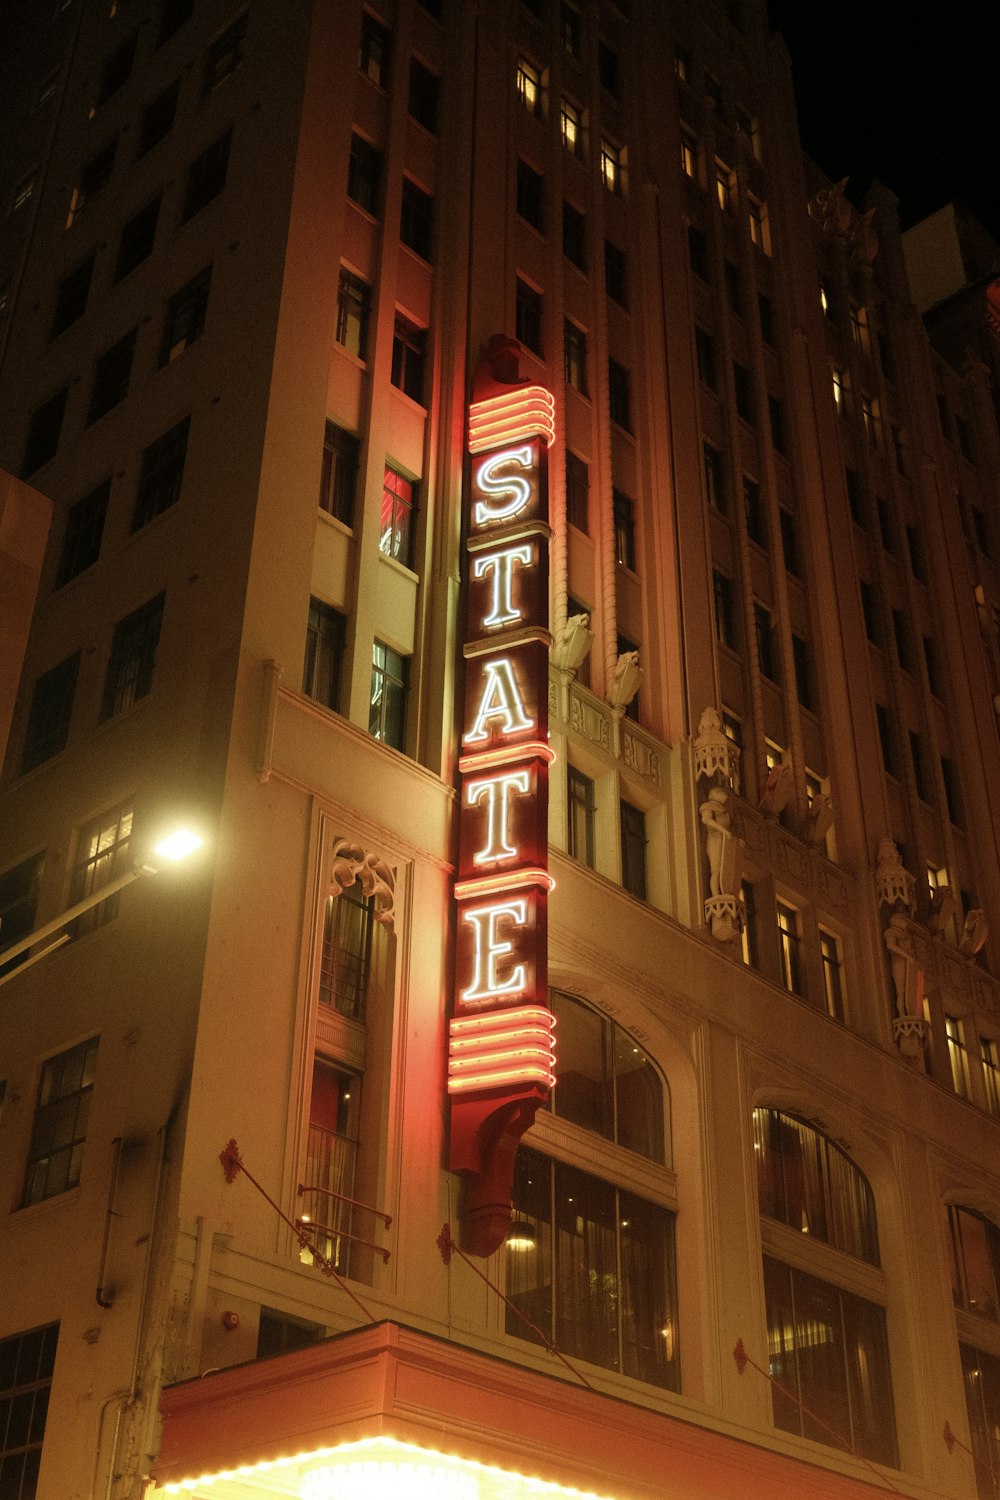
column 501, row 1045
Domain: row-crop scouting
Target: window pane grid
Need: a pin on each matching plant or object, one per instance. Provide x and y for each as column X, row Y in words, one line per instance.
column 55, row 1154
column 808, row 1183
column 27, row 1361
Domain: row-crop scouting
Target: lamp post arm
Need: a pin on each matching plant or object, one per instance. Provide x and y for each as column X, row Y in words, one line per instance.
column 94, row 899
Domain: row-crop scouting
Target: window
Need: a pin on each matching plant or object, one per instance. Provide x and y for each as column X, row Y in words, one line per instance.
column 958, row 1059
column 387, row 707
column 19, row 889
column 23, row 192
column 161, row 474
column 185, row 319
column 422, row 100
column 975, row 1262
column 49, row 716
column 364, row 175
column 571, row 128
column 840, row 392
column 855, row 499
column 734, row 287
column 982, row 1399
column 802, row 661
column 117, row 72
column 353, row 305
column 713, row 89
column 964, row 438
column 55, row 1154
column 757, row 225
column 112, row 373
column 528, row 316
column 764, row 633
column 980, row 529
column 225, row 54
column 157, row 120
column 832, row 966
column 530, row 196
column 529, row 86
column 81, row 544
column 732, row 728
column 71, row 298
column 698, row 252
column 725, row 617
column 133, row 658
column 577, row 491
column 173, row 17
column 859, row 327
column 615, row 274
column 373, row 57
column 748, row 936
column 723, row 186
column 776, row 415
column 743, row 391
column 570, row 28
column 94, row 178
column 633, row 834
column 870, row 418
column 753, row 510
column 886, row 526
column 326, row 634
column 715, row 487
column 416, row 219
column 683, row 64
column 887, row 740
column 606, row 1082
column 339, row 476
column 575, row 356
column 345, row 961
column 331, row 1164
column 898, row 449
column 901, row 633
column 989, row 1056
column 790, row 946
column 277, row 1333
column 952, row 791
column 871, row 612
column 611, row 166
column 581, row 814
column 136, row 241
column 43, row 433
column 828, row 1347
column 623, row 513
column 408, row 350
column 574, row 236
column 26, row 1364
column 919, row 765
column 609, row 69
column 206, row 177
column 689, row 155
column 399, row 505
column 704, row 347
column 620, row 394
column 933, row 660
column 789, row 541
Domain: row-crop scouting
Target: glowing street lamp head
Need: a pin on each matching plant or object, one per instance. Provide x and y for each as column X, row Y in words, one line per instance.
column 178, row 845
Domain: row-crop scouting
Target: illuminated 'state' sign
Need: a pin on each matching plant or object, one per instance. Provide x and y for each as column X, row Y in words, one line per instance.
column 501, row 1034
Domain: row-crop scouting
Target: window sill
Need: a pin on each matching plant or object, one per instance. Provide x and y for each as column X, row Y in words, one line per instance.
column 29, row 1211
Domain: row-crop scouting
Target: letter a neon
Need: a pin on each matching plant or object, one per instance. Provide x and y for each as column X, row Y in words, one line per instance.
column 500, row 705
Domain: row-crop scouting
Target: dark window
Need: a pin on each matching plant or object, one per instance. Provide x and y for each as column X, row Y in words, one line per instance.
column 277, row 1333
column 19, row 889
column 620, row 394
column 530, row 196
column 81, row 544
column 734, row 287
column 49, row 716
column 704, row 348
column 615, row 274
column 339, row 478
column 919, row 764
column 409, row 347
column 713, row 89
column 59, row 1132
column 964, row 437
column 94, row 177
column 225, row 54
column 373, row 57
column 765, row 308
column 789, row 541
column 173, row 17
column 364, row 174
column 577, row 492
column 833, row 977
column 137, row 237
column 387, row 706
column 71, row 298
column 326, row 634
column 102, row 854
column 698, row 252
column 764, row 633
column 981, row 1372
column 528, row 316
column 185, row 320
column 416, row 219
column 975, row 1263
column 575, row 356
column 901, row 631
column 887, row 740
column 683, row 64
column 334, row 1107
column 753, row 509
column 870, row 610
column 570, row 28
column 133, row 658
column 725, row 616
column 887, row 531
column 743, row 388
column 345, row 965
column 898, row 448
column 952, row 791
column 802, row 658
column 715, row 478
column 117, row 71
column 423, row 98
column 26, row 1364
column 353, row 305
column 580, row 816
column 43, row 432
column 160, row 476
column 112, row 372
column 623, row 510
column 633, row 832
column 855, row 499
column 596, row 1248
column 609, row 69
column 980, row 528
column 158, row 119
column 810, row 1184
column 935, row 679
column 789, row 946
column 886, row 357
column 574, row 236
column 915, row 547
column 206, row 177
column 776, row 413
column 399, row 510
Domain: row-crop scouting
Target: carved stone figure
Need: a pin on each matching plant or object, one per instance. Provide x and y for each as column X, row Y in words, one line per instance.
column 909, row 1026
column 777, row 790
column 351, row 863
column 942, row 908
column 974, row 932
column 893, row 883
column 820, row 819
column 715, row 754
column 723, row 909
column 572, row 642
column 625, row 683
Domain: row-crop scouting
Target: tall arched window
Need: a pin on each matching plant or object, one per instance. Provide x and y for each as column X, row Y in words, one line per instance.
column 975, row 1268
column 826, row 1333
column 590, row 1261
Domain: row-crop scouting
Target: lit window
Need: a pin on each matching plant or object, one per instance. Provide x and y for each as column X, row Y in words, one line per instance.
column 353, row 305
column 790, row 946
column 859, row 327
column 633, row 836
column 840, row 392
column 339, row 474
column 571, row 127
column 989, row 1056
column 387, row 705
column 975, row 1263
column 161, row 474
column 185, row 319
column 59, row 1131
column 575, row 356
column 330, row 1186
column 982, row 1398
column 326, row 634
column 133, row 658
column 611, row 166
column 732, row 728
column 373, row 55
column 399, row 496
column 345, row 961
column 49, row 717
column 26, row 1364
column 833, row 982
column 81, row 544
column 581, row 811
column 529, row 87
column 824, row 300
column 958, row 1056
column 757, row 224
column 623, row 514
column 689, row 156
column 723, row 187
column 408, row 353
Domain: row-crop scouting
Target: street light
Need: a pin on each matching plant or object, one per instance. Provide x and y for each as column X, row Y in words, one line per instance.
column 173, row 848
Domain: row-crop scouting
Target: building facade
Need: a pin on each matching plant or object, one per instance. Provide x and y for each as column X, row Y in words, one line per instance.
column 260, row 1233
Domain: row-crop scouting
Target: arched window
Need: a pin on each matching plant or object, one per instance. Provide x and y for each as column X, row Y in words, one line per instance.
column 590, row 1260
column 829, row 1355
column 975, row 1268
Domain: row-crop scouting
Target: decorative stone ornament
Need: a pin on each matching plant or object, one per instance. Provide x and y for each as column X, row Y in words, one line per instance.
column 820, row 819
column 974, row 932
column 625, row 682
column 715, row 754
column 894, row 885
column 724, row 911
column 351, row 863
column 777, row 790
column 572, row 643
column 909, row 1026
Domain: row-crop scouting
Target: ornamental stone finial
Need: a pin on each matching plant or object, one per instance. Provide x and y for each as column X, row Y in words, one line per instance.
column 893, row 883
column 715, row 754
column 352, row 863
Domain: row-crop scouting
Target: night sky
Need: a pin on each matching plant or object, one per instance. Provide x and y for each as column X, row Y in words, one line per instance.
column 916, row 106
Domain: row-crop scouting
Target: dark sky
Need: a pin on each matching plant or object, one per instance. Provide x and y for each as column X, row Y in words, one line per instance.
column 908, row 95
